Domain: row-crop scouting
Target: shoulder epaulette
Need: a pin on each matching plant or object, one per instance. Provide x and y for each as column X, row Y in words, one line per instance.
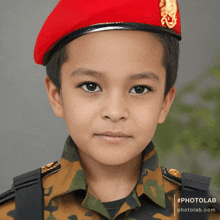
column 190, row 181
column 172, row 175
column 50, row 168
column 7, row 196
column 45, row 171
column 186, row 180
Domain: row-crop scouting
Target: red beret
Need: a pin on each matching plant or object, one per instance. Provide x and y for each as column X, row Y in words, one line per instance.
column 71, row 19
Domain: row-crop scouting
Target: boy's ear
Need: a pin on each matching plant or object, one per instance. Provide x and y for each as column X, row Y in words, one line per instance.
column 166, row 105
column 54, row 98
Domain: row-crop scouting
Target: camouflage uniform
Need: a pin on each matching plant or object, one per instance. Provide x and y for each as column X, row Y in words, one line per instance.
column 67, row 196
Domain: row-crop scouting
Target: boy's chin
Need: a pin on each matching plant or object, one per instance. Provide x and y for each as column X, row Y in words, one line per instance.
column 110, row 154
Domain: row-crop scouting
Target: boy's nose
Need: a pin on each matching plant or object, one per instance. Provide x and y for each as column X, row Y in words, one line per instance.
column 114, row 108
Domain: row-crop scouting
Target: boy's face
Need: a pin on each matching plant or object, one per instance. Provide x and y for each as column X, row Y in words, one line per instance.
column 112, row 94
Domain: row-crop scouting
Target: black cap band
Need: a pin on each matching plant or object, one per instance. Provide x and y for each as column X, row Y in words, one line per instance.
column 105, row 27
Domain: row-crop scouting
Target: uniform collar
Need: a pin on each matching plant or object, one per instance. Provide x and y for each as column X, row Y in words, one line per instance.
column 71, row 178
column 151, row 180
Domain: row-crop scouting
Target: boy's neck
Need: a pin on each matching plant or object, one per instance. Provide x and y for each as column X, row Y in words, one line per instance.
column 111, row 182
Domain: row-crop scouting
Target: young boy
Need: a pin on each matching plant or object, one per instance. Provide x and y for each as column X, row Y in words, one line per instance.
column 111, row 69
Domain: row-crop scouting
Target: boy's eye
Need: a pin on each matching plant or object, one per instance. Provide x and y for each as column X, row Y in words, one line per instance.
column 90, row 87
column 139, row 89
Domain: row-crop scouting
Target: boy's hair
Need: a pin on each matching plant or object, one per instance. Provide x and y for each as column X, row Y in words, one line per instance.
column 170, row 61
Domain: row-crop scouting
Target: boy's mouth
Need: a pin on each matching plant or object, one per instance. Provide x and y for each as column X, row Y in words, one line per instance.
column 113, row 137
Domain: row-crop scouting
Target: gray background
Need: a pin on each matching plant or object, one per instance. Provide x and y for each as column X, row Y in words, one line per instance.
column 30, row 134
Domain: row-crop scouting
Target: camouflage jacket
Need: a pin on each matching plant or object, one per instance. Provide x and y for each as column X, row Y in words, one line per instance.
column 67, row 196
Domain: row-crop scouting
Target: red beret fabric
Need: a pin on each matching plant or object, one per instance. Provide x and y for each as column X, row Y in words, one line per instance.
column 71, row 15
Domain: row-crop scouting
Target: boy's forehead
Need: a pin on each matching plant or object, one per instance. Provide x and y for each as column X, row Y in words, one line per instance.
column 115, row 42
column 71, row 19
column 136, row 54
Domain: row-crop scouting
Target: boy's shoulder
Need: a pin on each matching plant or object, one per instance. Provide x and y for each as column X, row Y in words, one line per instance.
column 174, row 183
column 192, row 193
column 29, row 182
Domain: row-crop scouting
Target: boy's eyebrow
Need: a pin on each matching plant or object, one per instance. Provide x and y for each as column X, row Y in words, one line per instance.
column 148, row 75
column 85, row 71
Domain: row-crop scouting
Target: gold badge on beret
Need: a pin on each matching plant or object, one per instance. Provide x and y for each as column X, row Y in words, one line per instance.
column 168, row 13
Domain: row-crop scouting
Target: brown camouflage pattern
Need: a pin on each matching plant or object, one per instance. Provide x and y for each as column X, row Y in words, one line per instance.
column 67, row 196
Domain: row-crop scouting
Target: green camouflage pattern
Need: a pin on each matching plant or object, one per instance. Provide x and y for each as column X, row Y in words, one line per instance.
column 67, row 196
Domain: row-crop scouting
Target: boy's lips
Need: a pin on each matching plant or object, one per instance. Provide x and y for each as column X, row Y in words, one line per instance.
column 113, row 137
